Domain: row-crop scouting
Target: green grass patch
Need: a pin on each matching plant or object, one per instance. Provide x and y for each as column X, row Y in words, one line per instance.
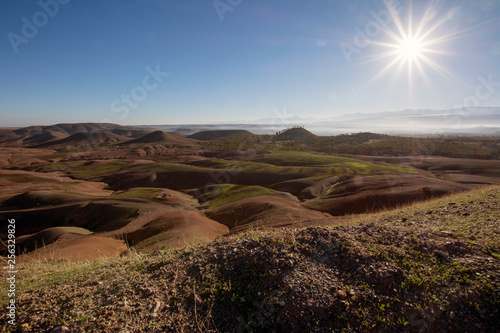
column 141, row 170
column 334, row 164
column 50, row 273
column 24, row 178
column 83, row 169
column 311, row 165
column 229, row 193
column 307, row 159
column 262, row 167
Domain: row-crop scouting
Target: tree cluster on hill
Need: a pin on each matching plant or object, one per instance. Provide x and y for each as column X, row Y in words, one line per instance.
column 289, row 128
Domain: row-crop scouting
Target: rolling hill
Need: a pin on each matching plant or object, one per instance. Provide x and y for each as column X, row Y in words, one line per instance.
column 294, row 134
column 38, row 135
column 160, row 137
column 220, row 135
column 92, row 139
column 432, row 267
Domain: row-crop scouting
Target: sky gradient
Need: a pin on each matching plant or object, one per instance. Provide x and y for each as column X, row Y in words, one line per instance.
column 203, row 61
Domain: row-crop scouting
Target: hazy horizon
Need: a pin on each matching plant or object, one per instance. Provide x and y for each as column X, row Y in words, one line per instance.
column 195, row 62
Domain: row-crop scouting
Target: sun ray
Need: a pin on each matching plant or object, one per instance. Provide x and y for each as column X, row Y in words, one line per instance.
column 417, row 44
column 413, row 47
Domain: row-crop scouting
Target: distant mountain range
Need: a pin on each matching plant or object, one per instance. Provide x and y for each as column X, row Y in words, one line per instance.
column 466, row 121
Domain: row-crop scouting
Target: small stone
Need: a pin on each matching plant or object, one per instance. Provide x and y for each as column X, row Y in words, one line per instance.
column 60, row 329
column 442, row 256
column 147, row 292
column 154, row 309
column 341, row 294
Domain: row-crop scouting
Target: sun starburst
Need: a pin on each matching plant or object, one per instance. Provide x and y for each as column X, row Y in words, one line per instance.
column 414, row 50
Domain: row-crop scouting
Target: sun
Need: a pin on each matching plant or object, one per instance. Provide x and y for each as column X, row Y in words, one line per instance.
column 413, row 47
column 410, row 49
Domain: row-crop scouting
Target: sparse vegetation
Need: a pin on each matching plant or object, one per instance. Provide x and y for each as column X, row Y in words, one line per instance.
column 381, row 274
column 431, row 266
column 144, row 193
column 229, row 193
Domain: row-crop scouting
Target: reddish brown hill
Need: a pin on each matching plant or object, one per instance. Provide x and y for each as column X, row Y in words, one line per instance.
column 74, row 247
column 130, row 133
column 68, row 128
column 366, row 194
column 176, row 229
column 31, row 130
column 87, row 139
column 46, row 137
column 266, row 212
column 7, row 134
column 37, row 135
column 160, row 136
column 220, row 135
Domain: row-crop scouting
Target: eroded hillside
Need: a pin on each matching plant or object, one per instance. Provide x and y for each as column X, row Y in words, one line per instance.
column 429, row 267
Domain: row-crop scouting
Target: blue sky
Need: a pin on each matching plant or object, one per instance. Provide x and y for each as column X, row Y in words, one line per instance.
column 94, row 61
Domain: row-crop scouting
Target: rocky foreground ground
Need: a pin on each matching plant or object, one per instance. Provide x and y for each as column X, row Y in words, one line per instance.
column 430, row 267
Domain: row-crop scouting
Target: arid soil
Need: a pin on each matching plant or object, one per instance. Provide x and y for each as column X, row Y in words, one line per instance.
column 121, row 229
column 430, row 267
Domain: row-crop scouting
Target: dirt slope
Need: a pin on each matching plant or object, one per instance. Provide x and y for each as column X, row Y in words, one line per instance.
column 264, row 211
column 366, row 194
column 433, row 267
column 72, row 247
column 175, row 229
